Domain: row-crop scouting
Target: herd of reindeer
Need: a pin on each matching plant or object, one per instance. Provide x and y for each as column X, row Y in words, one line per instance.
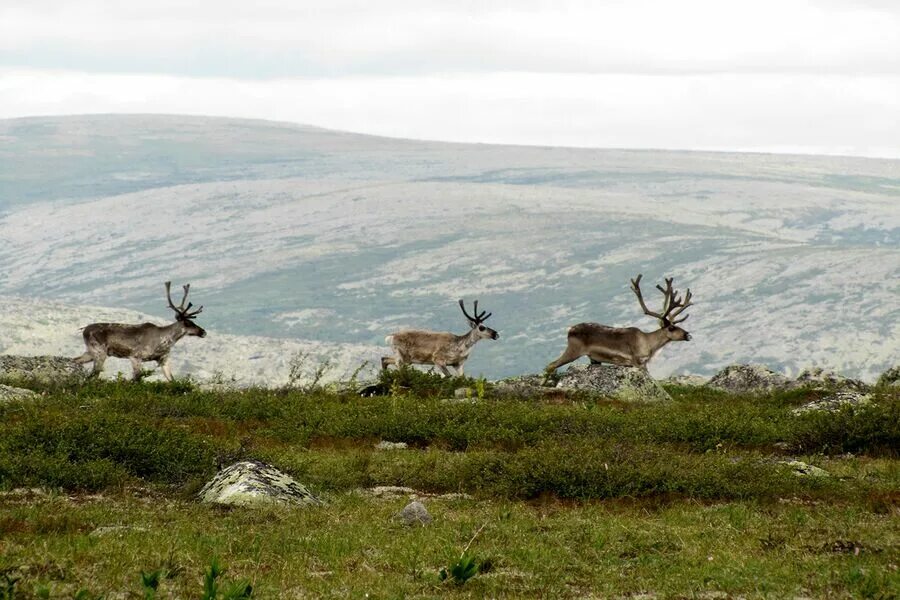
column 624, row 346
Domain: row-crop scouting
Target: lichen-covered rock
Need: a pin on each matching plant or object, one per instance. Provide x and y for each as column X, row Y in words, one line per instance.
column 835, row 402
column 686, row 380
column 8, row 393
column 47, row 370
column 890, row 377
column 254, row 483
column 802, row 469
column 385, row 445
column 749, row 379
column 819, row 378
column 527, row 387
column 414, row 513
column 630, row 384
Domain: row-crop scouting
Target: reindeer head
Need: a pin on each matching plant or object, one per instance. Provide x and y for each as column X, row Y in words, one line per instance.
column 184, row 314
column 477, row 321
column 673, row 306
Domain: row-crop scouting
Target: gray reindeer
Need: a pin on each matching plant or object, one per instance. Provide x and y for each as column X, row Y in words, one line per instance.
column 140, row 343
column 438, row 348
column 628, row 346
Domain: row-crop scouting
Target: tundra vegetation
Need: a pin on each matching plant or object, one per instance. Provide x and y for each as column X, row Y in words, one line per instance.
column 580, row 497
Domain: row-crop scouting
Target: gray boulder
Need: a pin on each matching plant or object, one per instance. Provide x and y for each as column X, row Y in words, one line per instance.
column 526, row 387
column 821, row 379
column 686, row 380
column 891, row 377
column 8, row 393
column 254, row 483
column 835, row 402
column 802, row 469
column 749, row 379
column 414, row 513
column 46, row 370
column 630, row 384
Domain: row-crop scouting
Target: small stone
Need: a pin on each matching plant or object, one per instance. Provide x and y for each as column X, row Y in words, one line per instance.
column 802, row 469
column 8, row 393
column 414, row 513
column 384, row 445
column 115, row 529
column 464, row 392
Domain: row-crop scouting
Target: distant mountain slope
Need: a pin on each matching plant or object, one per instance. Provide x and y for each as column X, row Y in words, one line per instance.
column 290, row 231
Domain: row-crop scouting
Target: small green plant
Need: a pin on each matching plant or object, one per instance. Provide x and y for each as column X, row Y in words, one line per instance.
column 8, row 586
column 150, row 583
column 460, row 571
column 236, row 591
column 298, row 378
column 480, row 385
column 466, row 566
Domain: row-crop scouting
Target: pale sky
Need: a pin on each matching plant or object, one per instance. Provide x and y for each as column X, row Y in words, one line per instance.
column 816, row 76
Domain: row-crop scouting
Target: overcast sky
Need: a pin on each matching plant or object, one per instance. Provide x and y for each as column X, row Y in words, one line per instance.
column 818, row 76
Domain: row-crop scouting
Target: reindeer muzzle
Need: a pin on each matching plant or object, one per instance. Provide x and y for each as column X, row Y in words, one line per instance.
column 687, row 337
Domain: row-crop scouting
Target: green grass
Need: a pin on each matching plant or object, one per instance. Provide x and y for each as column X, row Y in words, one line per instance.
column 584, row 497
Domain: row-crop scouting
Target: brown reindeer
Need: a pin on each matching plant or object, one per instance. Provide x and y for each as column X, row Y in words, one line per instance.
column 441, row 349
column 628, row 346
column 140, row 343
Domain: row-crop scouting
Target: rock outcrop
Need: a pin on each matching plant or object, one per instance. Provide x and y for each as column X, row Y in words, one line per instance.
column 891, row 377
column 686, row 380
column 749, row 379
column 254, row 483
column 821, row 379
column 630, row 384
column 46, row 370
column 8, row 393
column 835, row 402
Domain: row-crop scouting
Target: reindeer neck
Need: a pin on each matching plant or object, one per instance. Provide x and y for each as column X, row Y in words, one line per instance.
column 658, row 338
column 175, row 330
column 467, row 340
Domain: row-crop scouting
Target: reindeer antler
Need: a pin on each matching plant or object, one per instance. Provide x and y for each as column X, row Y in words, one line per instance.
column 182, row 312
column 673, row 305
column 478, row 319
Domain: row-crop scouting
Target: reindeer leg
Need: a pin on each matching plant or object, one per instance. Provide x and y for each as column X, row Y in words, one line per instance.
column 99, row 358
column 83, row 359
column 136, row 370
column 444, row 370
column 388, row 360
column 459, row 370
column 565, row 358
column 166, row 369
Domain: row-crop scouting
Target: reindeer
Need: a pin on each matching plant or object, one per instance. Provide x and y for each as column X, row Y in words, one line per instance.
column 140, row 343
column 441, row 349
column 628, row 346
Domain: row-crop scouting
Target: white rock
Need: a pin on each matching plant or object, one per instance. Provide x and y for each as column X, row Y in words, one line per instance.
column 384, row 445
